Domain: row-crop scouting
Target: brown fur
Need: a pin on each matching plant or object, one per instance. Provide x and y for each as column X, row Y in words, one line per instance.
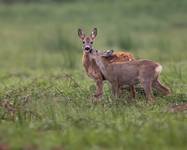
column 91, row 68
column 120, row 57
column 130, row 73
column 94, row 72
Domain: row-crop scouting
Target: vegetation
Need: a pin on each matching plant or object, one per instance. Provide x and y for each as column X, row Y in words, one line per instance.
column 45, row 95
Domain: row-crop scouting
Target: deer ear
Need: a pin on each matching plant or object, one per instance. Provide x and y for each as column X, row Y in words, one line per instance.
column 81, row 34
column 111, row 51
column 94, row 33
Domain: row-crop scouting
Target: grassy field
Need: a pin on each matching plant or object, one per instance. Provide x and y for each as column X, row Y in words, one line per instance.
column 46, row 96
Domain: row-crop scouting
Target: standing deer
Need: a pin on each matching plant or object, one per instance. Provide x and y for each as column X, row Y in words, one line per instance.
column 92, row 68
column 130, row 73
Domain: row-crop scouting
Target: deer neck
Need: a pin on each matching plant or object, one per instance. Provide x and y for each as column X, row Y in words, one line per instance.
column 102, row 65
column 86, row 60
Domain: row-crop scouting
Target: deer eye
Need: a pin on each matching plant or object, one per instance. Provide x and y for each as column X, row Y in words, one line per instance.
column 91, row 42
column 83, row 42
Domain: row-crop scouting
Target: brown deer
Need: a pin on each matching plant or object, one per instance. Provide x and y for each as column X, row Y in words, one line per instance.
column 130, row 73
column 90, row 65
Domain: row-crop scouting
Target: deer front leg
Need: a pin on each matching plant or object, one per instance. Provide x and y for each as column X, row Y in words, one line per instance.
column 132, row 91
column 115, row 90
column 99, row 88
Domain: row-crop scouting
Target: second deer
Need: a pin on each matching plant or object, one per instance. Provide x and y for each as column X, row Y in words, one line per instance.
column 130, row 73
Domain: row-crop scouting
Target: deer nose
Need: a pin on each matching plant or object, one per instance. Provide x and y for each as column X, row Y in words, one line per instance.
column 87, row 48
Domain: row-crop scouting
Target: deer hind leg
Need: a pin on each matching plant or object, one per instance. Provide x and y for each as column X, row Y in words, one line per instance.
column 147, row 85
column 165, row 90
column 99, row 88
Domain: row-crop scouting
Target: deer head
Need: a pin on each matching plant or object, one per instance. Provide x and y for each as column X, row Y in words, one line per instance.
column 87, row 40
column 106, row 54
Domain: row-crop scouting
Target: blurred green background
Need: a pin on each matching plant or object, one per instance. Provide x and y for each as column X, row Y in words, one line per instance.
column 44, row 35
column 42, row 77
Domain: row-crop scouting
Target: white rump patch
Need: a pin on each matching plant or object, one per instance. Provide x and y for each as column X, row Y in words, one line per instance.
column 158, row 69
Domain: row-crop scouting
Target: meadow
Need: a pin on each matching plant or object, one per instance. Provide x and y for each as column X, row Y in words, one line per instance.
column 45, row 94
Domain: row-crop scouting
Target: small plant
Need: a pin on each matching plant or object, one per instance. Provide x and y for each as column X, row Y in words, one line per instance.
column 17, row 111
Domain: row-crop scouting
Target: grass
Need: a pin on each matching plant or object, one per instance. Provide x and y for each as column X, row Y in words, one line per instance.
column 45, row 95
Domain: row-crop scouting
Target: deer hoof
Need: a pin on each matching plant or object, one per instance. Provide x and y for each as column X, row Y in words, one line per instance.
column 98, row 96
column 96, row 100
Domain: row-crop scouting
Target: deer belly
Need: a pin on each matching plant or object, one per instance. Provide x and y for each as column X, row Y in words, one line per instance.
column 129, row 80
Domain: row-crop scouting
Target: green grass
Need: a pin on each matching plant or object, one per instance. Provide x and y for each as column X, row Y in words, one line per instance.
column 43, row 80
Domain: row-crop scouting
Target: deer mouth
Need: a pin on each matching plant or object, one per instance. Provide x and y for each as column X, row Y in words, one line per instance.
column 88, row 50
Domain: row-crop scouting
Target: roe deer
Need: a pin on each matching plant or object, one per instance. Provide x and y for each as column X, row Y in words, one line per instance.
column 130, row 73
column 90, row 65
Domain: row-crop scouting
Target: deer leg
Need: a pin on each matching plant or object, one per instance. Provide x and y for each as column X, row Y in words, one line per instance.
column 147, row 85
column 165, row 90
column 99, row 88
column 115, row 90
column 132, row 91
